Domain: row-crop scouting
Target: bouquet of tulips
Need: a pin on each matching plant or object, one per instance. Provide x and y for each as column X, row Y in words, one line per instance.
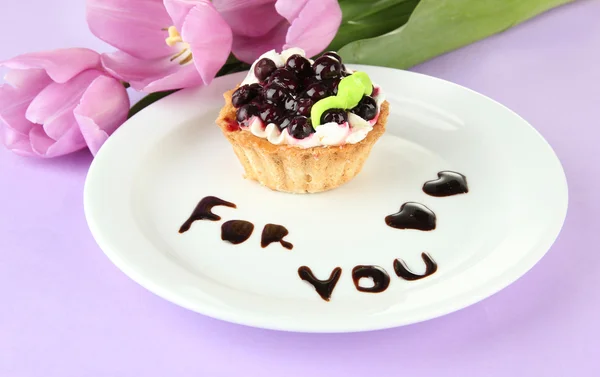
column 57, row 102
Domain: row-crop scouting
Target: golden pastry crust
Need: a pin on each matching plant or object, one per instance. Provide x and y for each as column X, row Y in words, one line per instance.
column 297, row 170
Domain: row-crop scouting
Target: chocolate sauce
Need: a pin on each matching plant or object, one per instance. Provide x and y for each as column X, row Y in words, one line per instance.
column 448, row 183
column 236, row 231
column 203, row 212
column 323, row 287
column 275, row 233
column 412, row 216
column 403, row 272
column 381, row 279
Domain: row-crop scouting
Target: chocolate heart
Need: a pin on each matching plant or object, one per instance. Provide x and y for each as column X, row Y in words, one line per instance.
column 412, row 216
column 448, row 183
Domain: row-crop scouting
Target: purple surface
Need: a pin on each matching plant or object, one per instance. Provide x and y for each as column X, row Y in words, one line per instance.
column 67, row 311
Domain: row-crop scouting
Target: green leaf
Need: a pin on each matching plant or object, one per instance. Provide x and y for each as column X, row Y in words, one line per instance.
column 231, row 59
column 232, row 68
column 439, row 26
column 232, row 65
column 367, row 18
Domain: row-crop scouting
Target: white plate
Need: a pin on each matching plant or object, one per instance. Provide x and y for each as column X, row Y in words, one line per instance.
column 150, row 175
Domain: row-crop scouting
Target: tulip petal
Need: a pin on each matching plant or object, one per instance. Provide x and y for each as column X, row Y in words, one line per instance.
column 46, row 147
column 134, row 26
column 249, row 18
column 151, row 75
column 60, row 124
column 14, row 100
column 185, row 77
column 29, row 79
column 209, row 37
column 290, row 9
column 50, row 106
column 179, row 9
column 61, row 65
column 15, row 141
column 248, row 49
column 103, row 108
column 315, row 26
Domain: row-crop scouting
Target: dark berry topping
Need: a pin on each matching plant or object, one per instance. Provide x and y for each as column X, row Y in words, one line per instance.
column 271, row 114
column 345, row 71
column 338, row 116
column 333, row 55
column 246, row 112
column 290, row 104
column 301, row 127
column 326, row 68
column 304, row 106
column 307, row 81
column 366, row 108
column 284, row 78
column 245, row 94
column 286, row 95
column 285, row 121
column 274, row 93
column 299, row 65
column 264, row 68
column 332, row 86
column 258, row 100
column 316, row 91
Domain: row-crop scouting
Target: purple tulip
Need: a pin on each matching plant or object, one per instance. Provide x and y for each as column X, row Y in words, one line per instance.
column 58, row 102
column 171, row 44
column 163, row 45
column 262, row 25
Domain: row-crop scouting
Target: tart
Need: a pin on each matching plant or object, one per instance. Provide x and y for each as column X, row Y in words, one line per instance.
column 303, row 126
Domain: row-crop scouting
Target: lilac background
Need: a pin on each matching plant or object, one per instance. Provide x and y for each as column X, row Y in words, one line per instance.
column 67, row 311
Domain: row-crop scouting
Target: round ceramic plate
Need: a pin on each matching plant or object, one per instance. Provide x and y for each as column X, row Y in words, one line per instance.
column 151, row 174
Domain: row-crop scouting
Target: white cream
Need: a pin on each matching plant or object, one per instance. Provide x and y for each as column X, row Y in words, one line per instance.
column 275, row 136
column 329, row 134
column 285, row 54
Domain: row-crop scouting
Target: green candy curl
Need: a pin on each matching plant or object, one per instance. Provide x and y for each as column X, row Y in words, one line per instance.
column 351, row 89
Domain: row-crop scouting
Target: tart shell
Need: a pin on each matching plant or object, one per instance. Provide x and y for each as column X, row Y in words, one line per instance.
column 291, row 169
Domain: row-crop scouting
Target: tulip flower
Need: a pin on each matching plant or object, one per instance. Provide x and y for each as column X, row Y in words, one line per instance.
column 162, row 45
column 174, row 44
column 262, row 25
column 58, row 102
